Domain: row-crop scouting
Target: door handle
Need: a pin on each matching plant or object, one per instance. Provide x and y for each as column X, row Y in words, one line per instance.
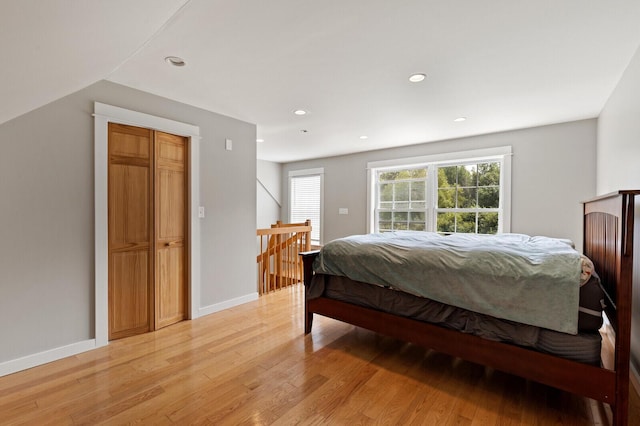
column 170, row 243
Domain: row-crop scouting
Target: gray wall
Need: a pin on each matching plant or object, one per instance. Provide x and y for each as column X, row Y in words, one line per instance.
column 47, row 215
column 553, row 170
column 269, row 198
column 618, row 167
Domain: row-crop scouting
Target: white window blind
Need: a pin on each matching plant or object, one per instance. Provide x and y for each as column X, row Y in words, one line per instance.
column 305, row 201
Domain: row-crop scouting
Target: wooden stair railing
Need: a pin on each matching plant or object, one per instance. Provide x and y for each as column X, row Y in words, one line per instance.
column 278, row 262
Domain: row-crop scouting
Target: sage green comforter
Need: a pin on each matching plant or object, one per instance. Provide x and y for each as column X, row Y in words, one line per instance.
column 531, row 280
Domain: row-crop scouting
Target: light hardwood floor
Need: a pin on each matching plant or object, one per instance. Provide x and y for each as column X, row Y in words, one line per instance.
column 253, row 365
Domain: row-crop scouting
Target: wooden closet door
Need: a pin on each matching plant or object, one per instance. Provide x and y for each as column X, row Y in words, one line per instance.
column 147, row 230
column 170, row 229
column 130, row 230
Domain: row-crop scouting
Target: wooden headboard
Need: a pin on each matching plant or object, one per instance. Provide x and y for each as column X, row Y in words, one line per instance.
column 608, row 242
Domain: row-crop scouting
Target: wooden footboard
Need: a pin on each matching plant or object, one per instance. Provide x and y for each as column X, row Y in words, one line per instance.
column 608, row 239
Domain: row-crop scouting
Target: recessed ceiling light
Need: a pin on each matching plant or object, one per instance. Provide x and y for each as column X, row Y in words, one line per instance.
column 259, row 140
column 299, row 112
column 459, row 119
column 363, row 137
column 417, row 78
column 175, row 61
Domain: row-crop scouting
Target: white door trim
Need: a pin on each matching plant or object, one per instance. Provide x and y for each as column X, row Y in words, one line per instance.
column 103, row 115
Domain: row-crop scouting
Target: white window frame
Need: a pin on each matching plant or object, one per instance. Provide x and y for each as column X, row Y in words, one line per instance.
column 103, row 115
column 500, row 154
column 309, row 172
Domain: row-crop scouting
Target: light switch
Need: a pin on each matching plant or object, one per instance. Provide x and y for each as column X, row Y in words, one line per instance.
column 228, row 144
column 201, row 212
column 343, row 210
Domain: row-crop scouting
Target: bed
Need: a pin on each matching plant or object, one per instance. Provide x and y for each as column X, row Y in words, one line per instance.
column 608, row 243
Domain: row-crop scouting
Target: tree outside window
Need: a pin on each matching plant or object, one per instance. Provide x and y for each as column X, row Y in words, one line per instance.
column 466, row 198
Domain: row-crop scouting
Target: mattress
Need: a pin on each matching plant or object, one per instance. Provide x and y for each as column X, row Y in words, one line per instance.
column 531, row 280
column 582, row 347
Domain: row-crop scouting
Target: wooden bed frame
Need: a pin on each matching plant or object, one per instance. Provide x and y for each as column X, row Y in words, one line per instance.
column 608, row 242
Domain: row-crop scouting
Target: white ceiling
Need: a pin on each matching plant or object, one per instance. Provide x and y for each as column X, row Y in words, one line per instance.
column 504, row 64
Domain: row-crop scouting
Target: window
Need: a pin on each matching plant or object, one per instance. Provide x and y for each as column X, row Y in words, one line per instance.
column 305, row 200
column 401, row 199
column 456, row 193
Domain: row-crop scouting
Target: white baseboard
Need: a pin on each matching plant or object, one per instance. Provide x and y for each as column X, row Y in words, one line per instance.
column 29, row 361
column 227, row 304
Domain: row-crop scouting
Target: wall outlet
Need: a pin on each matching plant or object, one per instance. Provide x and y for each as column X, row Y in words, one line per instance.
column 228, row 144
column 343, row 210
column 201, row 212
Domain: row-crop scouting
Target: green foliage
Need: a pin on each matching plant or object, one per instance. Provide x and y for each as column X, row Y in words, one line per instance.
column 446, row 222
column 471, row 186
column 489, row 174
column 488, row 223
column 489, row 198
column 466, row 223
column 447, row 198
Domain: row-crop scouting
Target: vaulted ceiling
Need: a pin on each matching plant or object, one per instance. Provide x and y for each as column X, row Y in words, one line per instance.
column 502, row 64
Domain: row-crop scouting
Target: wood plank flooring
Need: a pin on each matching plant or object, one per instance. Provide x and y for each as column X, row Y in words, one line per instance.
column 252, row 364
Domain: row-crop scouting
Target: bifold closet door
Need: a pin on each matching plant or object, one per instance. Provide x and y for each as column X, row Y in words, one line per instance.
column 147, row 230
column 170, row 229
column 131, row 266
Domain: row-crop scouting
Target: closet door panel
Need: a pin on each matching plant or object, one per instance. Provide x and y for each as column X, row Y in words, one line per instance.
column 171, row 229
column 130, row 222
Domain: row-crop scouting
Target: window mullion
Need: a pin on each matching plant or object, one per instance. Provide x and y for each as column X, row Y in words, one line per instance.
column 431, row 199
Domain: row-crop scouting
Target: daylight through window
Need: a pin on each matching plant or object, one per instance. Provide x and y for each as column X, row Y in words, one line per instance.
column 305, row 200
column 455, row 196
